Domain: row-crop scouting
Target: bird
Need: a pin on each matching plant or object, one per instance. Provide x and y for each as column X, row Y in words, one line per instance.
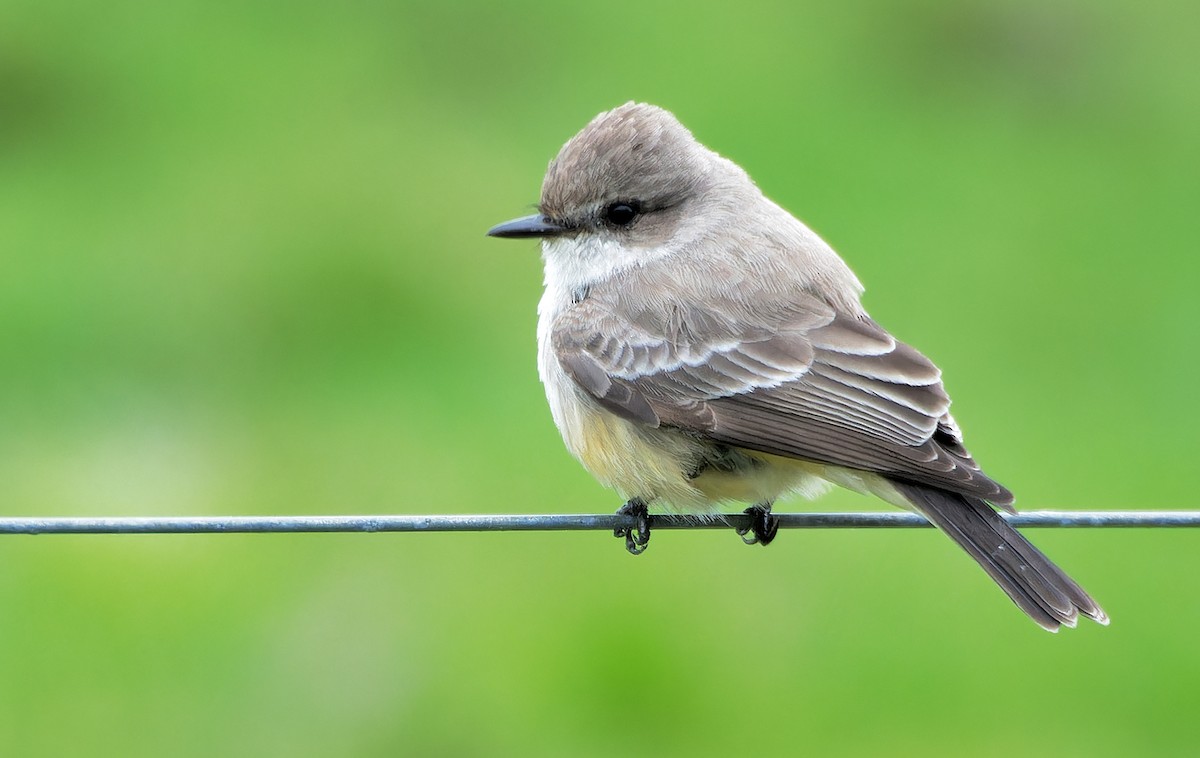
column 701, row 346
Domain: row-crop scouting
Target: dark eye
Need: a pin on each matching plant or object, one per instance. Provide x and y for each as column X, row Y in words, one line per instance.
column 621, row 214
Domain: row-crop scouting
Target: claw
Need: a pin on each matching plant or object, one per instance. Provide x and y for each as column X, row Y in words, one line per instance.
column 762, row 524
column 637, row 537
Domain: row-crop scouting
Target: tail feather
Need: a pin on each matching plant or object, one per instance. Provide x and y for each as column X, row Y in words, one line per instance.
column 1037, row 586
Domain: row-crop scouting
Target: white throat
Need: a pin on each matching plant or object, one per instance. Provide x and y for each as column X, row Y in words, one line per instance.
column 575, row 263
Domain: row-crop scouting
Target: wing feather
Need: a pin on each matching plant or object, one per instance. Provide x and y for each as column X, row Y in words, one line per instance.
column 802, row 381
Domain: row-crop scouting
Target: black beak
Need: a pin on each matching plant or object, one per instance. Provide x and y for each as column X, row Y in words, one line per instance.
column 536, row 225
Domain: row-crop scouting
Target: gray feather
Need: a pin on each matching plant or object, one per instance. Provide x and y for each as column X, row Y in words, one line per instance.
column 798, row 380
column 1034, row 583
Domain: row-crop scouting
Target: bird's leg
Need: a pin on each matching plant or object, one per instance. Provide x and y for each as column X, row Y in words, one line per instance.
column 637, row 536
column 762, row 524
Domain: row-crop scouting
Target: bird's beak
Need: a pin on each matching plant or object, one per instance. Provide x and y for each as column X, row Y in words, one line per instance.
column 536, row 225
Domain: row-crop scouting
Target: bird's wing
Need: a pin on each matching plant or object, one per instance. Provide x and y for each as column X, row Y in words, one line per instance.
column 800, row 380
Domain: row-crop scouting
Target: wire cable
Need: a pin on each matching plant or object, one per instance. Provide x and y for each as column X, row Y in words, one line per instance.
column 555, row 522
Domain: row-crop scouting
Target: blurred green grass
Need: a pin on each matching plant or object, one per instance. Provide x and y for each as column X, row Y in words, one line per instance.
column 244, row 272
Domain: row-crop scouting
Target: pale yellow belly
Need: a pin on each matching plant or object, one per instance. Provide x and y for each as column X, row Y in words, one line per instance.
column 652, row 464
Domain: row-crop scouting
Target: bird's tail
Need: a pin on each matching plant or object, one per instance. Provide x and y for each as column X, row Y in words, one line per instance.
column 1037, row 586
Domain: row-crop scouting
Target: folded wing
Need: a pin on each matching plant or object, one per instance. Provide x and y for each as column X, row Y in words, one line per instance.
column 801, row 381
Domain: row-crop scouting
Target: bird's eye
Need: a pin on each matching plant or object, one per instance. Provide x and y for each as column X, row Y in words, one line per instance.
column 621, row 214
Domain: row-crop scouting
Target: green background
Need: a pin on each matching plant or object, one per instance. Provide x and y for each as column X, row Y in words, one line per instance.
column 243, row 271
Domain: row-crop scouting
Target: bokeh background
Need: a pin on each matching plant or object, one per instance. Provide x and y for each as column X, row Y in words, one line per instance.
column 244, row 272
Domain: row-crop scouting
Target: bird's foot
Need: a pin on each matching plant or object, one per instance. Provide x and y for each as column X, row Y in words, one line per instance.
column 637, row 536
column 762, row 525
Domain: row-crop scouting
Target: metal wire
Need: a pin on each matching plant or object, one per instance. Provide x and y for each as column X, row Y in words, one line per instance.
column 554, row 522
